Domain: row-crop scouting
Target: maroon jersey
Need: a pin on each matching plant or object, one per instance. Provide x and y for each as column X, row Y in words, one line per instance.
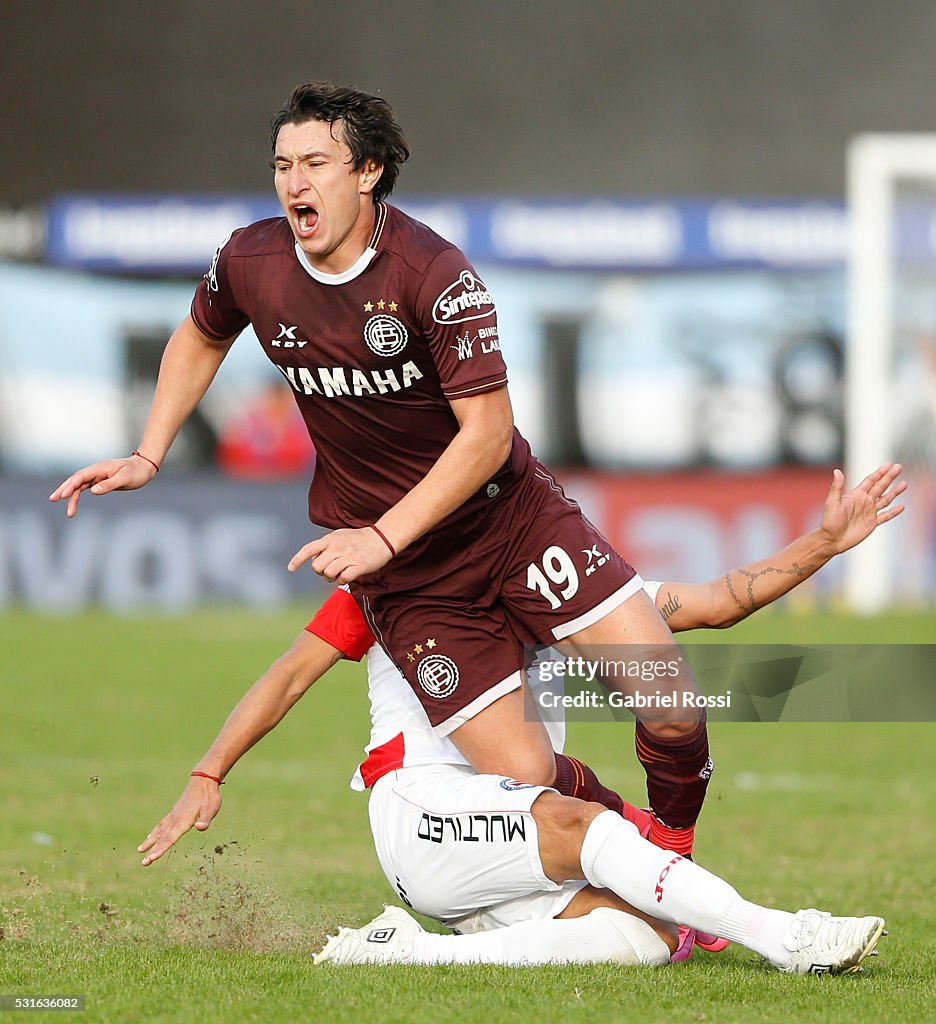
column 373, row 355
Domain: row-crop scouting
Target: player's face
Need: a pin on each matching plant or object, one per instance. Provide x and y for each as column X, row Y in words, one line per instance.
column 327, row 203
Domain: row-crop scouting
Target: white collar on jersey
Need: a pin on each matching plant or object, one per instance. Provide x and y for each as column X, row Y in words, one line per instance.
column 360, row 264
column 346, row 275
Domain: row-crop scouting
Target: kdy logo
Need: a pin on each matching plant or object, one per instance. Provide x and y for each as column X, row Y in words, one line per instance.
column 595, row 559
column 287, row 338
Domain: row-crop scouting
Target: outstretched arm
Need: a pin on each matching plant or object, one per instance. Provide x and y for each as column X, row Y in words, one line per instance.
column 848, row 518
column 188, row 366
column 259, row 710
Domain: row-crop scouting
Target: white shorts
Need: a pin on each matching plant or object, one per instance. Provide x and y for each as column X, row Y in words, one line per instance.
column 462, row 847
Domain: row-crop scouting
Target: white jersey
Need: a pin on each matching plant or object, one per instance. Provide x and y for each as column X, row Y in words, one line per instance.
column 401, row 736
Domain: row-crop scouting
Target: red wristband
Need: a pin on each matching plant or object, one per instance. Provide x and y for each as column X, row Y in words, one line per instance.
column 155, row 465
column 382, row 536
column 205, row 775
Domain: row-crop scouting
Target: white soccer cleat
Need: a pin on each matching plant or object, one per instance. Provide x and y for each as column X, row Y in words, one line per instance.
column 388, row 939
column 822, row 944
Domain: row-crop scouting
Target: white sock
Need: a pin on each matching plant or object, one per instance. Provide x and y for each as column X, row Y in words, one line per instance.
column 604, row 935
column 667, row 886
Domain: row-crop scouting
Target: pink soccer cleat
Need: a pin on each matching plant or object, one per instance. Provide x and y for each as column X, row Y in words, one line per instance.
column 689, row 937
column 686, row 942
column 710, row 943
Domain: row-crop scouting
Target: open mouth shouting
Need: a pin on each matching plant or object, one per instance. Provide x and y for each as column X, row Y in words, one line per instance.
column 305, row 220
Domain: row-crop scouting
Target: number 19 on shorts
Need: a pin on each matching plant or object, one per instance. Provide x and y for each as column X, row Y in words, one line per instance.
column 558, row 574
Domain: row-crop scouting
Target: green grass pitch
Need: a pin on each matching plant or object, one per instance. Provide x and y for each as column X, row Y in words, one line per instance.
column 103, row 719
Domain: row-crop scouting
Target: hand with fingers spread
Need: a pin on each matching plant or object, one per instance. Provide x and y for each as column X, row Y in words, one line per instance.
column 344, row 555
column 196, row 808
column 127, row 474
column 848, row 517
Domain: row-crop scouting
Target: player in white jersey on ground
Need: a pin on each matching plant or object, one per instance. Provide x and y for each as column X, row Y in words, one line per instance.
column 537, row 876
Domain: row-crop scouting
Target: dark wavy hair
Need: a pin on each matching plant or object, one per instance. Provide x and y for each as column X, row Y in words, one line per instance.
column 370, row 128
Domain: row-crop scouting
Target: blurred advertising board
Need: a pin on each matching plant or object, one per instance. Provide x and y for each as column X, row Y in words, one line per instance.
column 178, row 233
column 202, row 538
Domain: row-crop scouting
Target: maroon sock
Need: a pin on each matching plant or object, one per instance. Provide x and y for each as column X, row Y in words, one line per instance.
column 575, row 778
column 678, row 771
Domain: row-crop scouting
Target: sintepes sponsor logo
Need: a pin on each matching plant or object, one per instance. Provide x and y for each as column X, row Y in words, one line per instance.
column 465, row 299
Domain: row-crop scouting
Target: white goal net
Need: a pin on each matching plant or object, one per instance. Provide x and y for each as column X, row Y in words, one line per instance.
column 890, row 370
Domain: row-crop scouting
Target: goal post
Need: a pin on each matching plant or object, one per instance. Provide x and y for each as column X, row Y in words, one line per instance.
column 886, row 175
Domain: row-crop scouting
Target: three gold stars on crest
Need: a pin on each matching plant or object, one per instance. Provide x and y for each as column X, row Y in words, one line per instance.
column 380, row 304
column 419, row 648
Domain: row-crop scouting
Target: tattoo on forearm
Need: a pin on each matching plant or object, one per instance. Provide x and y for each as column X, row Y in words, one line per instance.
column 795, row 570
column 673, row 604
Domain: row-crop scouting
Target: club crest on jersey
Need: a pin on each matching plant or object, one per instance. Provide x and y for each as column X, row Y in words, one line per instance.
column 463, row 300
column 385, row 335
column 437, row 675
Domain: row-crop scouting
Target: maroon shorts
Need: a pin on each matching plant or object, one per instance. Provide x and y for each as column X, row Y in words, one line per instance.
column 455, row 617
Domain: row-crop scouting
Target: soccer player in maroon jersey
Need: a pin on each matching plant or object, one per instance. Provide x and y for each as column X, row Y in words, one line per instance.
column 439, row 880
column 459, row 546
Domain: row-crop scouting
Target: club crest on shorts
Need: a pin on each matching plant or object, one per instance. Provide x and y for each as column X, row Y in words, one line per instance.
column 385, row 335
column 437, row 675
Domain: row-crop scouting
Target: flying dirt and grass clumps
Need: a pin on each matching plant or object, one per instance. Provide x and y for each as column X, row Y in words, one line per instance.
column 222, row 907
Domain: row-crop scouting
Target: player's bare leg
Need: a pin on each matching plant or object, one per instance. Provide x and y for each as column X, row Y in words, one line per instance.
column 506, row 738
column 672, row 743
column 590, row 898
